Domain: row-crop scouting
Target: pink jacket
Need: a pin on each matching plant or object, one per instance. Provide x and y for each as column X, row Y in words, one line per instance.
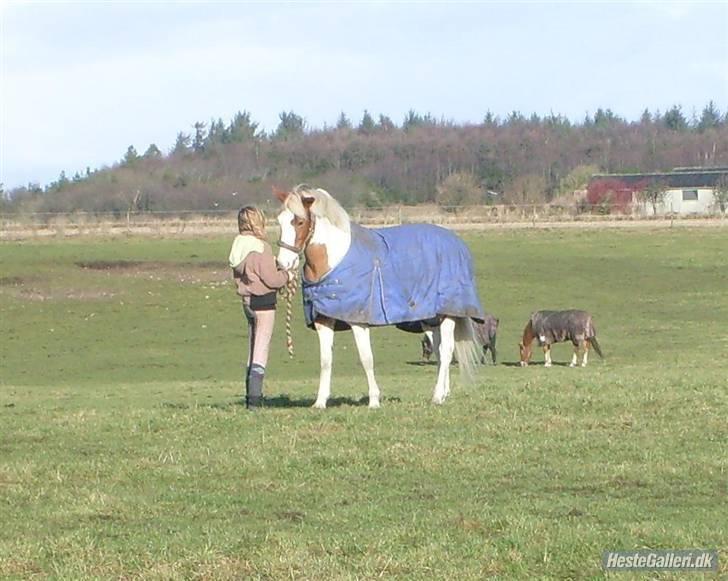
column 258, row 274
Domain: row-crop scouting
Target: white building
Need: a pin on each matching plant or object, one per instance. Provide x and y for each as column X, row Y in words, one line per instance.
column 688, row 190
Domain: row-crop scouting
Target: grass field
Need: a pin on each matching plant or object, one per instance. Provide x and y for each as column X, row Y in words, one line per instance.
column 125, row 452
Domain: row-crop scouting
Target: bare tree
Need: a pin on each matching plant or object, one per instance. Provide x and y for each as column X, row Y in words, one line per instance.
column 654, row 194
column 720, row 194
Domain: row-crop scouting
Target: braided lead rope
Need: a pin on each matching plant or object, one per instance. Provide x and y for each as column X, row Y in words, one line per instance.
column 291, row 287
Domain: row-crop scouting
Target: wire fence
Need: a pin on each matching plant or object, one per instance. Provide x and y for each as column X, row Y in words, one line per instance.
column 191, row 222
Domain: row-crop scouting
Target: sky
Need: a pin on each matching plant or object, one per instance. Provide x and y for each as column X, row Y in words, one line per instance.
column 82, row 81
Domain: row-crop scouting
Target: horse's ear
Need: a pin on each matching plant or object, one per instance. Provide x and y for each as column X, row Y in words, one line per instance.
column 281, row 195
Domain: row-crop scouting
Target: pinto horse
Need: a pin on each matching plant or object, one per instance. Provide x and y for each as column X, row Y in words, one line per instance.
column 413, row 276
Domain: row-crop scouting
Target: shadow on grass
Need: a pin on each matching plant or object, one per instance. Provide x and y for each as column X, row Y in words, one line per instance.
column 282, row 401
column 533, row 364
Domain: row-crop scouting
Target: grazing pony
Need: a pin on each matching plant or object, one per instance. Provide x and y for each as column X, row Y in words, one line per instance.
column 485, row 336
column 411, row 276
column 550, row 327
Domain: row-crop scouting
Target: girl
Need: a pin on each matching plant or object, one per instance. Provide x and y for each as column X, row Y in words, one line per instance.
column 258, row 279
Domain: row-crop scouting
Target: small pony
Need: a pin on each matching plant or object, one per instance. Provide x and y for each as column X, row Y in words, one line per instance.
column 550, row 327
column 485, row 335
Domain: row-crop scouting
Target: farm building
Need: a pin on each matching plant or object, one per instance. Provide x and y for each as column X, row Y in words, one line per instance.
column 684, row 190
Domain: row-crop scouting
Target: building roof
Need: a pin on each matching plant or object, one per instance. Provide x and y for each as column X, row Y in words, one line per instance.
column 680, row 177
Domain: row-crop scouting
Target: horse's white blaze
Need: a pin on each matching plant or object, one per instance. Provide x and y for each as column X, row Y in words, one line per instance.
column 447, row 346
column 364, row 346
column 287, row 258
column 326, row 349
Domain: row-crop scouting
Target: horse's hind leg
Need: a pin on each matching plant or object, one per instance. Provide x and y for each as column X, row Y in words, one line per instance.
column 547, row 355
column 586, row 352
column 325, row 331
column 364, row 346
column 447, row 346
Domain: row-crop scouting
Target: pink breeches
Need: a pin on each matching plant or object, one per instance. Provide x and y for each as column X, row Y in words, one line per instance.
column 260, row 327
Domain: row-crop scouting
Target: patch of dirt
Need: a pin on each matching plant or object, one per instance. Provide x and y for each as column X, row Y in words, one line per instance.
column 201, row 272
column 109, row 264
column 149, row 265
column 11, row 281
column 35, row 294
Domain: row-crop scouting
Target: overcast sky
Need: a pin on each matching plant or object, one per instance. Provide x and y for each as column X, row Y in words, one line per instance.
column 81, row 81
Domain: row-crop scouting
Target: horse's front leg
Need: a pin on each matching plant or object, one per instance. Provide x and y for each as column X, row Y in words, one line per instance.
column 575, row 357
column 547, row 355
column 325, row 331
column 447, row 346
column 364, row 346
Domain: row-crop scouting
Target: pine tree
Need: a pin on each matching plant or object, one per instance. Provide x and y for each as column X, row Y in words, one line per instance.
column 674, row 119
column 291, row 126
column 130, row 156
column 198, row 144
column 710, row 117
column 366, row 125
column 343, row 122
column 242, row 129
column 152, row 152
column 182, row 144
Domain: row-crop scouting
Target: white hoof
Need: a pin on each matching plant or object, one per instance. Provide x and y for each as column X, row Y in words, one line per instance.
column 319, row 405
column 583, row 364
column 572, row 364
column 547, row 364
column 374, row 404
column 524, row 364
column 438, row 400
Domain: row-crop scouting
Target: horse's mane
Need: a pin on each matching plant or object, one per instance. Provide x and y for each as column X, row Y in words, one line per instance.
column 324, row 206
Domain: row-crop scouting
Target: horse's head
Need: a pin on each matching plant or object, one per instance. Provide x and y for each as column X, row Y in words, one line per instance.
column 525, row 345
column 297, row 226
column 525, row 351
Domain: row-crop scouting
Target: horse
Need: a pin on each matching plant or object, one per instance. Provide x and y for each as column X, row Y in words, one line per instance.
column 410, row 276
column 485, row 335
column 550, row 327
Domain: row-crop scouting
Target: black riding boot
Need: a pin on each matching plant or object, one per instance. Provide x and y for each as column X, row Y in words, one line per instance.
column 254, row 386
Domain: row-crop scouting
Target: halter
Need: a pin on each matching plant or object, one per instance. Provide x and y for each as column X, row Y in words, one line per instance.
column 302, row 249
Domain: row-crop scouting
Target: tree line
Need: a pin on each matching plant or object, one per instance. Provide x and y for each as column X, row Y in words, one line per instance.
column 375, row 161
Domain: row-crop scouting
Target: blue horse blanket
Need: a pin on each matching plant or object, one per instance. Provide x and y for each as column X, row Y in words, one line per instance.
column 401, row 276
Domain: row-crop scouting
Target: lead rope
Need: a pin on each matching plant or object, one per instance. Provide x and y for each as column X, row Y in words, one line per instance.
column 291, row 287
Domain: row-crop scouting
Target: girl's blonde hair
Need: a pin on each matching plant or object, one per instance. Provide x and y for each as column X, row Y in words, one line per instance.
column 251, row 219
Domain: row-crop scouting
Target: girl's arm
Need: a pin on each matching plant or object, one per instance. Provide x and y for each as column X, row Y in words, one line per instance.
column 269, row 274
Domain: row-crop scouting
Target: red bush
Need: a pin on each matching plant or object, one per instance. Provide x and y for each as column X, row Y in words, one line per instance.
column 612, row 194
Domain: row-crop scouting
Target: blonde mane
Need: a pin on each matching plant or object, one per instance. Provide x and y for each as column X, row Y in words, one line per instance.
column 324, row 206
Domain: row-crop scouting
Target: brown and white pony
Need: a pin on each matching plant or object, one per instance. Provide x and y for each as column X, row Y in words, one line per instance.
column 314, row 225
column 549, row 327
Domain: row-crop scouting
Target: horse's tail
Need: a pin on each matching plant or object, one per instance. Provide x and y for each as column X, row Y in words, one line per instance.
column 467, row 349
column 594, row 343
column 592, row 338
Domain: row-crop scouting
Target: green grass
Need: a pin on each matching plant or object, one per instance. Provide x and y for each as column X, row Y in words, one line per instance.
column 125, row 452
